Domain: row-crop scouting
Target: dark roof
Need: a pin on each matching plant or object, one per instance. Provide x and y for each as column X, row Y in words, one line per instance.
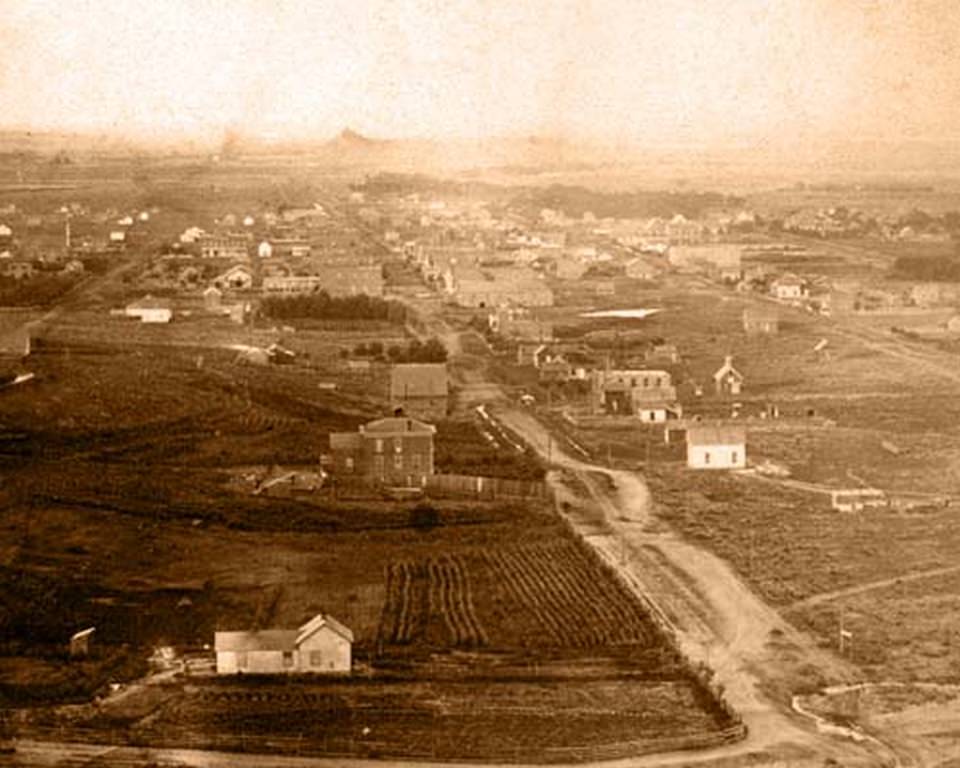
column 395, row 425
column 418, row 380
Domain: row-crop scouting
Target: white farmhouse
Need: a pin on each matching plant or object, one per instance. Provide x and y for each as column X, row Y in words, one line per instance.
column 717, row 447
column 322, row 645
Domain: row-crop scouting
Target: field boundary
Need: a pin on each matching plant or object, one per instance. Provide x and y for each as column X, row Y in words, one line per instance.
column 480, row 487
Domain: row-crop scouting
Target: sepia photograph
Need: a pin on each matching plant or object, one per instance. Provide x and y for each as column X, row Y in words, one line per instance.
column 477, row 383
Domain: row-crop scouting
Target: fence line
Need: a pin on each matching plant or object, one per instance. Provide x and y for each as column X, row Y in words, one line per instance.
column 479, row 487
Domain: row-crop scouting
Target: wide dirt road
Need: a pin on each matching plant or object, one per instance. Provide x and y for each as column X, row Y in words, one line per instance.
column 756, row 656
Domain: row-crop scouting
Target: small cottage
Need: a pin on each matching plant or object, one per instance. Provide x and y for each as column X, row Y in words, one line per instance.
column 717, row 447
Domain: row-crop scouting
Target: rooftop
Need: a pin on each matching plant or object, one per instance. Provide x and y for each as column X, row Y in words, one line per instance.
column 398, row 425
column 717, row 435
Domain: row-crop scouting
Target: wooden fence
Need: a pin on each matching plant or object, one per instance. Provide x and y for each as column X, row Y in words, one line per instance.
column 477, row 487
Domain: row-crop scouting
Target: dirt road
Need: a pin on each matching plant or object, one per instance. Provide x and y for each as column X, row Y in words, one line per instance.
column 715, row 617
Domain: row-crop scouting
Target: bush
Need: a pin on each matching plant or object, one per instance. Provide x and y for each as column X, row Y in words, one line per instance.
column 928, row 268
column 322, row 306
column 424, row 517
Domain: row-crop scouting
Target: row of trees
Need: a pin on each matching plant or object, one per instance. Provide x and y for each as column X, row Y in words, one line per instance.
column 323, row 306
column 430, row 351
column 928, row 268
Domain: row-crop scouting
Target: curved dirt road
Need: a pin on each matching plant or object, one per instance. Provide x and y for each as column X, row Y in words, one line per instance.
column 715, row 617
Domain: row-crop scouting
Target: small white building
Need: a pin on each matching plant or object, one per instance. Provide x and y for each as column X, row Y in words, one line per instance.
column 788, row 288
column 727, row 379
column 149, row 310
column 717, row 447
column 323, row 646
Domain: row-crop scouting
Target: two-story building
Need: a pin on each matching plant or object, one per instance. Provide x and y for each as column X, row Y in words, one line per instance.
column 648, row 394
column 393, row 451
column 224, row 246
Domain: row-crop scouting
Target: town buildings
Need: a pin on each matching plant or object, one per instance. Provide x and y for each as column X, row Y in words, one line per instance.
column 646, row 394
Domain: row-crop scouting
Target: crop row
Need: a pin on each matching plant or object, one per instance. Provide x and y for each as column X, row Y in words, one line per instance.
column 450, row 597
column 429, row 593
column 575, row 603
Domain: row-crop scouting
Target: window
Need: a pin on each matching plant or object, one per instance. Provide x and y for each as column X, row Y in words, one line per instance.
column 241, row 659
column 348, row 463
column 646, row 382
column 316, row 658
column 706, row 457
column 398, row 445
column 398, row 461
column 287, row 659
column 415, row 461
column 733, row 457
column 378, row 445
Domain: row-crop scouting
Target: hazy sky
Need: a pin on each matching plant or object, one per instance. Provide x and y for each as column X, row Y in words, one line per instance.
column 646, row 70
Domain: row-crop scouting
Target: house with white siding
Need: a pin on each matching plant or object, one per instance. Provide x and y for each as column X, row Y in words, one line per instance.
column 717, row 447
column 321, row 646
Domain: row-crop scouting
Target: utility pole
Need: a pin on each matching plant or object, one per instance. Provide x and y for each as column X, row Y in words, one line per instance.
column 845, row 636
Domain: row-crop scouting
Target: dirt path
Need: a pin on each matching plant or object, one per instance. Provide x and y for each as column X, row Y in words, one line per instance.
column 716, row 618
column 859, row 589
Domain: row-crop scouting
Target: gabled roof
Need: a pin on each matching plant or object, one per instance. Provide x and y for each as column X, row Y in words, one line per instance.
column 320, row 621
column 394, row 425
column 727, row 369
column 717, row 435
column 418, row 380
column 233, row 270
column 285, row 640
